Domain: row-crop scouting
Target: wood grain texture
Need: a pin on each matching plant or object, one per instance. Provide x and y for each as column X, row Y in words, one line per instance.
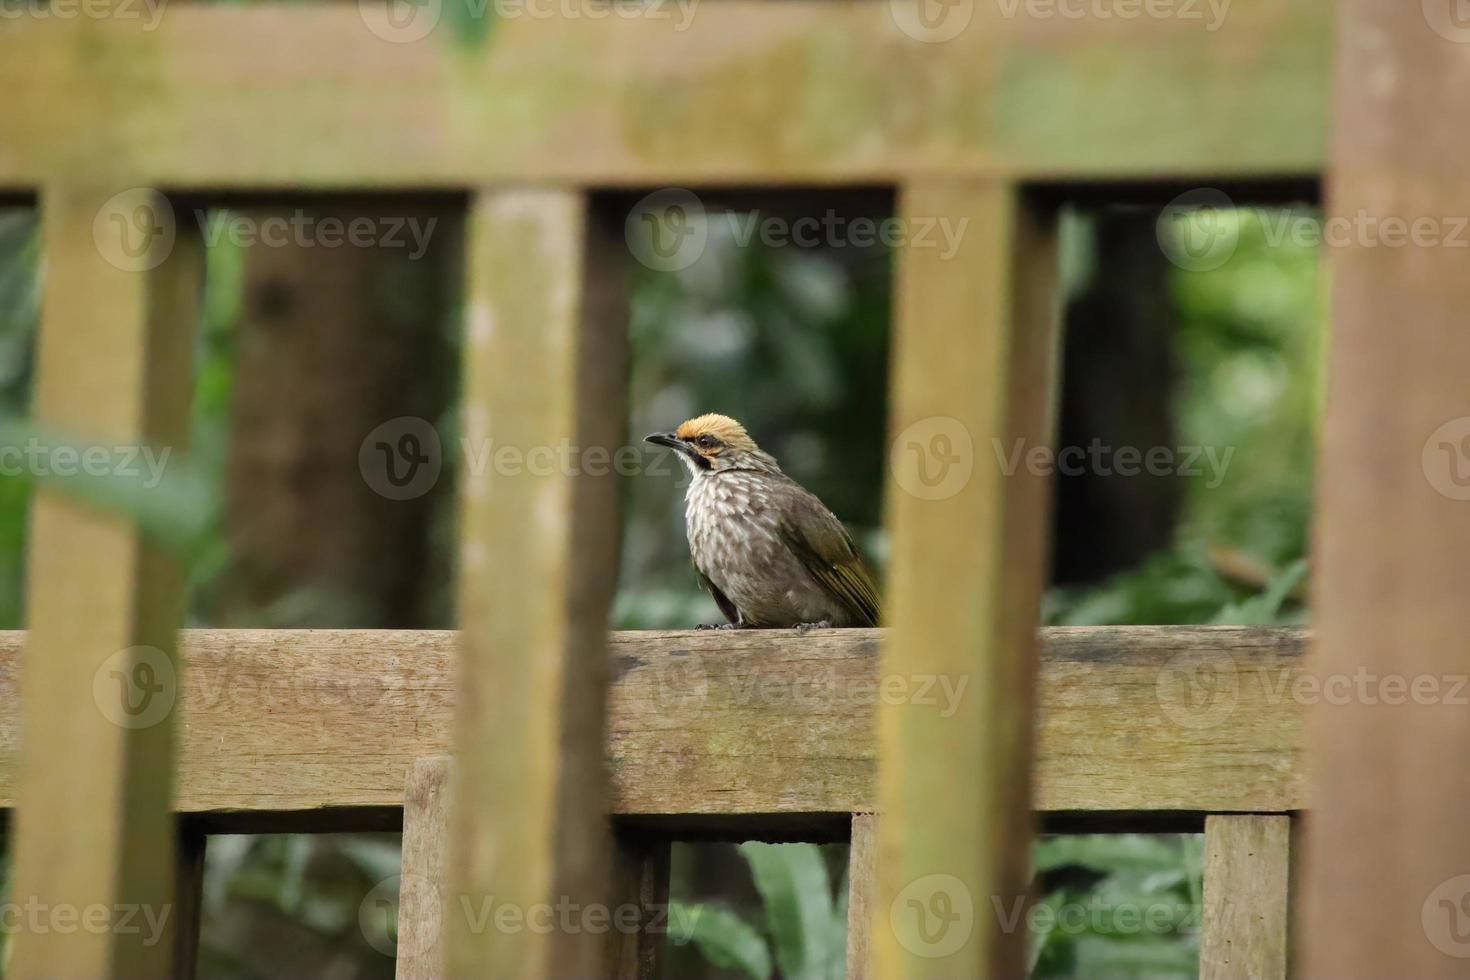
column 974, row 350
column 538, row 564
column 423, row 887
column 862, row 895
column 1385, row 885
column 1247, row 897
column 115, row 370
column 1132, row 720
column 740, row 92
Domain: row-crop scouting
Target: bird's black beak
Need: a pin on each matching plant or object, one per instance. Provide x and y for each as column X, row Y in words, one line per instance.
column 665, row 439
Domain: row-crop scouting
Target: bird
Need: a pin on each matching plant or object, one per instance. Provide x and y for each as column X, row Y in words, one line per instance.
column 765, row 548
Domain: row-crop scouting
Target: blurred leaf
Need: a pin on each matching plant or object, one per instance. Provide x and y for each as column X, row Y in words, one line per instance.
column 792, row 880
column 471, row 22
column 725, row 939
column 1107, row 852
column 169, row 501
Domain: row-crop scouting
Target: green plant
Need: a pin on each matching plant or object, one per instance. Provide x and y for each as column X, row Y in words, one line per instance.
column 804, row 931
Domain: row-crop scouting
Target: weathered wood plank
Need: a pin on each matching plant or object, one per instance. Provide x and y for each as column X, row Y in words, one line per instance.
column 862, row 895
column 94, row 829
column 309, row 95
column 640, row 882
column 1247, row 886
column 974, row 359
column 1132, row 719
column 422, row 886
column 539, row 561
column 1385, row 884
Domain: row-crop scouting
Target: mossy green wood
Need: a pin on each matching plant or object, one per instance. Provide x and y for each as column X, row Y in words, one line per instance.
column 95, row 828
column 973, row 355
column 529, row 827
column 221, row 96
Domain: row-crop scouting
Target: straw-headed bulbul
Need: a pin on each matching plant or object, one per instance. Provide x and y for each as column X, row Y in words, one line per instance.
column 769, row 552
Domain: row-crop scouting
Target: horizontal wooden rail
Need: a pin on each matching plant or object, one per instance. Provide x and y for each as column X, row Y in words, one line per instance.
column 712, row 727
column 311, row 95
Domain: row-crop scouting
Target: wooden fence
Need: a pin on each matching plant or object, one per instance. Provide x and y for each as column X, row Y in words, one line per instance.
column 998, row 113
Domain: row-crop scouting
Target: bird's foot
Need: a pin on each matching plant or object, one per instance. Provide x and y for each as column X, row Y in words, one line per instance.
column 718, row 626
column 825, row 624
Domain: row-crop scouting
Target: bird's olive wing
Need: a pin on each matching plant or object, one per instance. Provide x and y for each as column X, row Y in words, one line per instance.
column 824, row 547
column 726, row 606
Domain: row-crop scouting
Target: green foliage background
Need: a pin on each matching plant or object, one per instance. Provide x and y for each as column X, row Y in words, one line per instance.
column 796, row 344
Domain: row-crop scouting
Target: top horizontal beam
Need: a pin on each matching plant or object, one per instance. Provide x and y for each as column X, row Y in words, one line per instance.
column 708, row 726
column 673, row 91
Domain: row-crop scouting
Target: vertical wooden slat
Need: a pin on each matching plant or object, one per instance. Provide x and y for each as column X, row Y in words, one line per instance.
column 529, row 826
column 862, row 889
column 422, row 884
column 1386, row 878
column 1247, row 887
column 974, row 349
column 189, row 902
column 94, row 829
column 640, row 880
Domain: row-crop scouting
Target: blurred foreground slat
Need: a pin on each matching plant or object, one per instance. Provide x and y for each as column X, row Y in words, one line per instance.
column 94, row 833
column 332, row 96
column 1133, row 720
column 538, row 560
column 1386, row 876
column 975, row 339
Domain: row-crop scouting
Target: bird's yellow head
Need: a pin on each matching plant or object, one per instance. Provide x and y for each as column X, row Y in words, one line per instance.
column 710, row 443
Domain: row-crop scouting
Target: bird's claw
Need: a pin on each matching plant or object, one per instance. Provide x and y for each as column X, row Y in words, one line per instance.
column 718, row 626
column 808, row 627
